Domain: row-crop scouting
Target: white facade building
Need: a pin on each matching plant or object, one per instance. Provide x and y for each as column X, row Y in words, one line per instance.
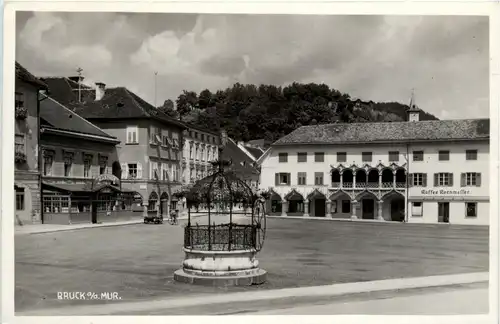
column 361, row 171
column 200, row 148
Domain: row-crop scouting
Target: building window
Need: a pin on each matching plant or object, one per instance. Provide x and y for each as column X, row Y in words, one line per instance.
column 19, row 144
column 153, row 199
column 103, row 162
column 153, row 171
column 203, row 137
column 57, row 204
column 132, row 135
column 341, row 156
column 366, row 156
column 418, row 156
column 19, row 198
column 195, row 135
column 87, row 163
column 68, row 163
column 302, row 178
column 132, row 170
column 47, row 165
column 282, row 179
column 319, row 157
column 191, row 152
column 155, row 135
column 393, row 156
column 302, row 157
column 283, row 157
column 175, row 173
column 471, row 209
column 318, row 178
column 416, row 208
column 443, row 179
column 418, row 179
column 19, row 100
column 471, row 179
column 471, row 155
column 346, row 206
column 444, row 155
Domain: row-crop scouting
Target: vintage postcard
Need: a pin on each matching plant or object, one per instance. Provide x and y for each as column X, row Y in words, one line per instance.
column 196, row 159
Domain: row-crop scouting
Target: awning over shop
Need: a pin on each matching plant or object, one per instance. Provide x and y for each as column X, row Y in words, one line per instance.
column 78, row 187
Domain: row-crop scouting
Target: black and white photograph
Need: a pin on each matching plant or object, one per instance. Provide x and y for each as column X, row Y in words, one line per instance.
column 195, row 164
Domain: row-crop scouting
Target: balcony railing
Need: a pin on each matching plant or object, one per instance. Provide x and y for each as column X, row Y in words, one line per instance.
column 387, row 184
column 368, row 185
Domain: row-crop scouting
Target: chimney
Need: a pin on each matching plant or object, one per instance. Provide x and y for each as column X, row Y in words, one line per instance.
column 100, row 90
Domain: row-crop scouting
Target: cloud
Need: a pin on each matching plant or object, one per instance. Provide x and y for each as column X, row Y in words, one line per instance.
column 381, row 58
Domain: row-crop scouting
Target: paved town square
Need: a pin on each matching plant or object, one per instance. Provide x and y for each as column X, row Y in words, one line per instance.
column 138, row 261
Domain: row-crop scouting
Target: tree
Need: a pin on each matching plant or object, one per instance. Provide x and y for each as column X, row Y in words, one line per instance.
column 168, row 109
column 205, row 99
column 186, row 102
column 250, row 111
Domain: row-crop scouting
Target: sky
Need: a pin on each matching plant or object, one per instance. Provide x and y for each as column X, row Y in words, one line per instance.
column 445, row 59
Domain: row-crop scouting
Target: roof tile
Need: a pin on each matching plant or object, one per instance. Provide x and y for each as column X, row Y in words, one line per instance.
column 465, row 129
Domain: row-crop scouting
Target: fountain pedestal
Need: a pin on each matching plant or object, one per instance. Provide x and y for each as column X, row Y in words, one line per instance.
column 221, row 268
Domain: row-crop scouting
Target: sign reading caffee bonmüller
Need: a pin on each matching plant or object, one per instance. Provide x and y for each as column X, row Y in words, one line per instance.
column 444, row 192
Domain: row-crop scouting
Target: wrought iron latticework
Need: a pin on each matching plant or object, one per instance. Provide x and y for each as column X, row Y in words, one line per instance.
column 222, row 198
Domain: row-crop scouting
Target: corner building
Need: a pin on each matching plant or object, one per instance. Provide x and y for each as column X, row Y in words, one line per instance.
column 416, row 171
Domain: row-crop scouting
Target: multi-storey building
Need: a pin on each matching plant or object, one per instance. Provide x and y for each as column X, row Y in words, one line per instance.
column 151, row 143
column 80, row 169
column 361, row 171
column 200, row 148
column 27, row 173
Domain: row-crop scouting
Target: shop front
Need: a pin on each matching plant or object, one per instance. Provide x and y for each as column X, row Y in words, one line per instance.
column 97, row 201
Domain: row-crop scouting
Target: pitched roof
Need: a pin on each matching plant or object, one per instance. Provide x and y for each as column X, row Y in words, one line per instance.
column 65, row 90
column 57, row 116
column 256, row 152
column 116, row 103
column 242, row 163
column 433, row 130
column 24, row 75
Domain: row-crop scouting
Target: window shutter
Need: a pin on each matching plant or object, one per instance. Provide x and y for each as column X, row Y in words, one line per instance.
column 478, row 179
column 450, row 175
column 424, row 179
column 410, row 179
column 436, row 179
column 139, row 170
column 124, row 170
column 289, row 179
column 462, row 179
column 276, row 179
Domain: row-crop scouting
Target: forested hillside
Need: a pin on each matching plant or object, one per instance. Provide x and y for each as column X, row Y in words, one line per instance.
column 249, row 112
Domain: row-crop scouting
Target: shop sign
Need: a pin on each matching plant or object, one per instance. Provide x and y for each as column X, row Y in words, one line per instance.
column 434, row 192
column 107, row 179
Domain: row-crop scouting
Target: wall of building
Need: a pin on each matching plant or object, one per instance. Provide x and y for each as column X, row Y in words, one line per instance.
column 271, row 164
column 196, row 158
column 429, row 195
column 26, row 175
column 79, row 147
column 143, row 153
column 457, row 195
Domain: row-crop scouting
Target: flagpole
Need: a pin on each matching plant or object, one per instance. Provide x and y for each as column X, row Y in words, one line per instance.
column 156, row 74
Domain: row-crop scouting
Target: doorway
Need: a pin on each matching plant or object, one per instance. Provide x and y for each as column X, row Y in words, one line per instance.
column 368, row 206
column 444, row 212
column 319, row 207
column 398, row 210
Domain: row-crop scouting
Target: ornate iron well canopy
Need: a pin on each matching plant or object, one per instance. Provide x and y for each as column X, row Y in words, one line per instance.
column 228, row 231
